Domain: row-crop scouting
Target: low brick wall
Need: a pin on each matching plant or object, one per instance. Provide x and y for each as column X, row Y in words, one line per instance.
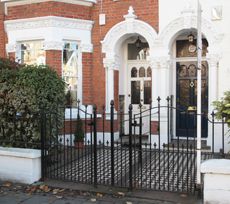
column 20, row 165
column 216, row 181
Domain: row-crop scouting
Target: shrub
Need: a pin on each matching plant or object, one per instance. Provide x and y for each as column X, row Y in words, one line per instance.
column 24, row 91
column 79, row 132
column 223, row 108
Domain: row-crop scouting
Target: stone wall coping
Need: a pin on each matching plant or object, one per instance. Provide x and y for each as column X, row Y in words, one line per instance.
column 216, row 166
column 20, row 152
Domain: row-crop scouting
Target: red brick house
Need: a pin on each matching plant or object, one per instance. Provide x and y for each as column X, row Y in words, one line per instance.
column 129, row 51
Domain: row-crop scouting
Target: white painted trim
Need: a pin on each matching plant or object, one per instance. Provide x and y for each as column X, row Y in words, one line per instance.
column 20, row 165
column 19, row 152
column 52, row 29
column 168, row 35
column 122, row 31
column 217, row 166
column 216, row 181
column 47, row 21
column 53, row 45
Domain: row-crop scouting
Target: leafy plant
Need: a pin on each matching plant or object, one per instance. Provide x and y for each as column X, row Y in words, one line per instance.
column 24, row 91
column 79, row 131
column 223, row 108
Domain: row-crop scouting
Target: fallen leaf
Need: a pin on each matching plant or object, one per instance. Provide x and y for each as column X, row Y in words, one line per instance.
column 183, row 195
column 61, row 190
column 55, row 191
column 7, row 184
column 44, row 188
column 99, row 195
column 31, row 189
column 93, row 199
column 121, row 194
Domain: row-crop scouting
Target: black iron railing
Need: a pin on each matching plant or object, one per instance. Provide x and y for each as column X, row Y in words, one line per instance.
column 119, row 151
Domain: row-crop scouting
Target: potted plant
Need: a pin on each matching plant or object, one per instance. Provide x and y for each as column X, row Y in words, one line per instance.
column 79, row 134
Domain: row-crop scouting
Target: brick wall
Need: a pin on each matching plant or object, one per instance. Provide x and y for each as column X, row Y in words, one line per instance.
column 54, row 60
column 93, row 70
column 87, row 78
column 2, row 32
column 49, row 9
column 114, row 11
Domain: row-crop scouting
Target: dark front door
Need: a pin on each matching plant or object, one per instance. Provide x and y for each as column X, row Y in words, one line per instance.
column 186, row 99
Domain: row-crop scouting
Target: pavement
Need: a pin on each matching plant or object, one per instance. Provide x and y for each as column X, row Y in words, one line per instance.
column 57, row 192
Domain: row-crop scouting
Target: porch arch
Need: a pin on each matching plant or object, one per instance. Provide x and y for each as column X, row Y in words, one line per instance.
column 121, row 31
column 168, row 35
column 113, row 40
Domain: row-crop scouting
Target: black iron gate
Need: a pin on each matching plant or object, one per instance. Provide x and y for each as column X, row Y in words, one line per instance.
column 113, row 155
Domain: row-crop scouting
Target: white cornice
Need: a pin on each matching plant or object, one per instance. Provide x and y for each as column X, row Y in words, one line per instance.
column 48, row 21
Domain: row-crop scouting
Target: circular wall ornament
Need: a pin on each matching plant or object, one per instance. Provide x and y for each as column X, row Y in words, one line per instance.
column 192, row 48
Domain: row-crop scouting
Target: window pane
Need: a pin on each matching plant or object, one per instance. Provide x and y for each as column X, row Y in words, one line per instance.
column 31, row 52
column 134, row 72
column 184, row 90
column 135, row 53
column 135, row 92
column 182, row 69
column 149, row 72
column 204, row 70
column 147, row 92
column 142, row 72
column 70, row 71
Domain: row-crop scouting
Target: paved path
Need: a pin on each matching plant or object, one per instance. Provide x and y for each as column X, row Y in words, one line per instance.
column 34, row 194
column 22, row 198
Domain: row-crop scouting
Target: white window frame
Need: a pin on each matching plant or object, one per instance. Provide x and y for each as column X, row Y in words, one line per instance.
column 18, row 57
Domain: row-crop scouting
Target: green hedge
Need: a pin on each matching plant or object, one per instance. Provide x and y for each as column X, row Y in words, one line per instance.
column 24, row 91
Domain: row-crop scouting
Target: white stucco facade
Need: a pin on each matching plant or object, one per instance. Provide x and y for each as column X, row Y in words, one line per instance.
column 176, row 18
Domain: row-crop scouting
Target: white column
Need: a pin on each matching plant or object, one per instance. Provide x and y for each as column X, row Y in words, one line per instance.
column 213, row 61
column 164, row 80
column 155, row 81
column 212, row 80
column 109, row 87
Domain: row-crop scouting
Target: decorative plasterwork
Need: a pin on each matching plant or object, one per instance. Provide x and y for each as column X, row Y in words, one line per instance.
column 53, row 45
column 169, row 34
column 86, row 47
column 110, row 63
column 122, row 30
column 188, row 9
column 130, row 14
column 160, row 62
column 48, row 21
column 213, row 59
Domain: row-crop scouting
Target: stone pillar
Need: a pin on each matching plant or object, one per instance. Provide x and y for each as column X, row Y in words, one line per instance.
column 110, row 66
column 216, row 182
column 160, row 79
column 213, row 61
column 155, row 81
column 164, row 79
